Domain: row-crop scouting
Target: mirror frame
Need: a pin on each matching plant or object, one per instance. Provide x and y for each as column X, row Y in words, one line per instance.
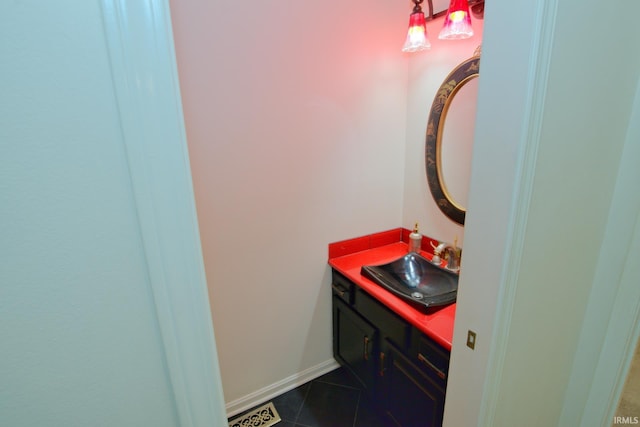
column 460, row 75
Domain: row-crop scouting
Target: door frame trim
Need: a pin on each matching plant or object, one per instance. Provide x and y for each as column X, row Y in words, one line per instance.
column 142, row 57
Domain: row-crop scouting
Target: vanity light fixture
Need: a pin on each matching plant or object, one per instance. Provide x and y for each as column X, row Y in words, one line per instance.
column 417, row 35
column 457, row 22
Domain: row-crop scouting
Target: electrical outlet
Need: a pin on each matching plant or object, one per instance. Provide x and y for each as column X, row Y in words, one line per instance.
column 471, row 339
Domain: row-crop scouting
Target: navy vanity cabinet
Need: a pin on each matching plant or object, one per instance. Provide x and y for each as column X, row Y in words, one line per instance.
column 355, row 343
column 403, row 370
column 408, row 395
column 432, row 359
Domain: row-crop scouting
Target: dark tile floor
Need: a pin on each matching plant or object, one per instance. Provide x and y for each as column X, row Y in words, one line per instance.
column 332, row 400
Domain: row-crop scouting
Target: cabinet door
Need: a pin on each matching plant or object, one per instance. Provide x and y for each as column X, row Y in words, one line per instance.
column 408, row 396
column 355, row 342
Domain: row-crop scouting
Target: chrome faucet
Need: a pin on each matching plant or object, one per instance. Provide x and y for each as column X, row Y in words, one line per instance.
column 451, row 253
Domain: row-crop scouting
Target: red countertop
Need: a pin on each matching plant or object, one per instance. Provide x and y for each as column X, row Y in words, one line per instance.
column 349, row 256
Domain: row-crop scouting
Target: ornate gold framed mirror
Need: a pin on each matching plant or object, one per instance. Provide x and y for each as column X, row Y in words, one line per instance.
column 456, row 80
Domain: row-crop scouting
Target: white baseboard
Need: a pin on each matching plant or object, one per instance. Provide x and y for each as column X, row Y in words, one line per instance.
column 269, row 392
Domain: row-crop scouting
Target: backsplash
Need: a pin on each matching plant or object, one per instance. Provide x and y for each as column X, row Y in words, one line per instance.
column 375, row 240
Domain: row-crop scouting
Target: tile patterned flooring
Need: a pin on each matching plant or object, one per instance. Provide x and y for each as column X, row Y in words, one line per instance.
column 332, row 400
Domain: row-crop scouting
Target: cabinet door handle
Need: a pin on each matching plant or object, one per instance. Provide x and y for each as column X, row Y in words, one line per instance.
column 339, row 291
column 381, row 372
column 431, row 365
column 366, row 348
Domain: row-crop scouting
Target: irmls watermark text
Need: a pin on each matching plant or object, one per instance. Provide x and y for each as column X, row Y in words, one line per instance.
column 626, row 420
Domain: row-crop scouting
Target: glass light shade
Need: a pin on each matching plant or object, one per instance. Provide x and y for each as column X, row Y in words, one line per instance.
column 417, row 34
column 457, row 23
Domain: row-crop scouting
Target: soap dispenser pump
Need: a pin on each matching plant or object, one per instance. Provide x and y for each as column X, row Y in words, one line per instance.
column 415, row 240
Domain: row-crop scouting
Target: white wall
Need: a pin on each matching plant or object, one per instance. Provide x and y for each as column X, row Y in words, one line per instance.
column 295, row 119
column 81, row 344
column 427, row 71
column 612, row 321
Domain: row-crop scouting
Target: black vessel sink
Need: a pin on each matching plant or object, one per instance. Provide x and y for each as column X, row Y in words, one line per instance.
column 416, row 280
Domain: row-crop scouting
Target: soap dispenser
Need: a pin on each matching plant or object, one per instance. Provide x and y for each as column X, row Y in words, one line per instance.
column 415, row 240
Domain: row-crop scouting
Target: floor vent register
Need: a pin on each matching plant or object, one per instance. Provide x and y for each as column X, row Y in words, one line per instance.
column 264, row 416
